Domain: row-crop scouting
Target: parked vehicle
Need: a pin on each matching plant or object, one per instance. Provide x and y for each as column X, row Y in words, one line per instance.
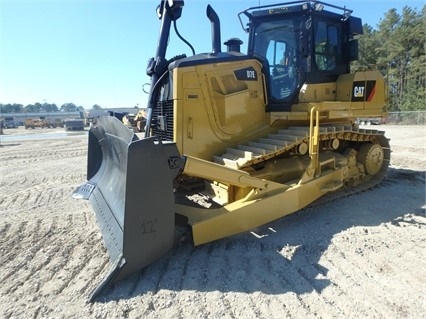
column 74, row 125
column 56, row 123
column 33, row 123
column 9, row 122
column 371, row 120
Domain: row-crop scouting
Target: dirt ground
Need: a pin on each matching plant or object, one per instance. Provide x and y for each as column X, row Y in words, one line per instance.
column 361, row 256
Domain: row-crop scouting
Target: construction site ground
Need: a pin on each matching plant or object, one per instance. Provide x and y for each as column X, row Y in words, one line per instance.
column 361, row 256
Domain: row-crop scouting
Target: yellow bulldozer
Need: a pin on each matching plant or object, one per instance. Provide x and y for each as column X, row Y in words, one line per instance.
column 136, row 121
column 236, row 140
column 33, row 123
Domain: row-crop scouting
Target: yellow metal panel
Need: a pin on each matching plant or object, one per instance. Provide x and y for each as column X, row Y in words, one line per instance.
column 318, row 92
column 369, row 85
column 214, row 110
column 212, row 224
column 266, row 201
column 235, row 106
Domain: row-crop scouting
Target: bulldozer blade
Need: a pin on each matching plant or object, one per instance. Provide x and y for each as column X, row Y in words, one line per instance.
column 130, row 187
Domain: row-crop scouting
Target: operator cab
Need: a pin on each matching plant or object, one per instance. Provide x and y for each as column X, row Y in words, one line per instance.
column 300, row 42
column 275, row 42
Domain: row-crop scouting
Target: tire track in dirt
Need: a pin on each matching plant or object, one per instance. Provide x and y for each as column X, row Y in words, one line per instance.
column 41, row 153
column 369, row 273
column 240, row 276
column 317, row 275
column 89, row 256
column 28, row 194
column 344, row 270
column 26, row 242
column 10, row 246
column 34, row 153
column 373, row 249
column 69, row 274
column 48, row 259
column 48, row 156
column 51, row 179
column 306, row 295
column 195, row 276
column 44, row 251
column 37, row 197
column 260, row 278
column 201, row 268
column 14, row 149
column 166, row 297
column 215, row 279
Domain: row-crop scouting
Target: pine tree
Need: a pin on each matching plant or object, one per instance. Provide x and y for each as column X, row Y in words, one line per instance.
column 397, row 49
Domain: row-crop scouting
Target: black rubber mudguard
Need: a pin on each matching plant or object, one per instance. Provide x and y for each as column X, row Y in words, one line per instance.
column 130, row 187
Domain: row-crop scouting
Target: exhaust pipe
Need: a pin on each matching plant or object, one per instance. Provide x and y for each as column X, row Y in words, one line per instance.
column 214, row 19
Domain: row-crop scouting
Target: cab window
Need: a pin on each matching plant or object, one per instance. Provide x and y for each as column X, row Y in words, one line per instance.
column 328, row 49
column 276, row 41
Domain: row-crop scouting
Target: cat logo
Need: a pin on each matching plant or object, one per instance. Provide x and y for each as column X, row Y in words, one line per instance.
column 363, row 91
column 359, row 91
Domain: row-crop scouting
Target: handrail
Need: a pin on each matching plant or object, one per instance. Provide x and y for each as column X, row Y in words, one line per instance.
column 314, row 140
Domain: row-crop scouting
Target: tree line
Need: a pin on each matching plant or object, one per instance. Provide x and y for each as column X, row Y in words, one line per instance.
column 397, row 49
column 42, row 107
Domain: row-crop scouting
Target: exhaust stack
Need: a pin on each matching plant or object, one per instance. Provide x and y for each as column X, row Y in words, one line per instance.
column 214, row 19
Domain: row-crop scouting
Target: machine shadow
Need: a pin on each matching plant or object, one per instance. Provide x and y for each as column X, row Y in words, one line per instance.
column 282, row 256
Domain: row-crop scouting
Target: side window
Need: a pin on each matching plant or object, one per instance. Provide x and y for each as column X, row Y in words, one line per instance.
column 282, row 71
column 277, row 42
column 328, row 49
column 275, row 54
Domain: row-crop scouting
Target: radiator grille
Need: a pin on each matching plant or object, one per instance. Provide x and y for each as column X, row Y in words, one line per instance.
column 162, row 120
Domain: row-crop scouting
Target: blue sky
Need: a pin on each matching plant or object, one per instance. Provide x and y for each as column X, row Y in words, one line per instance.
column 95, row 51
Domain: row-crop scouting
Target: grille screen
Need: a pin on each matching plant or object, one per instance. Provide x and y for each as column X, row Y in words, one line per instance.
column 162, row 120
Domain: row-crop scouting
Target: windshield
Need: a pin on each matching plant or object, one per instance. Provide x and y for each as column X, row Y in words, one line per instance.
column 277, row 42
